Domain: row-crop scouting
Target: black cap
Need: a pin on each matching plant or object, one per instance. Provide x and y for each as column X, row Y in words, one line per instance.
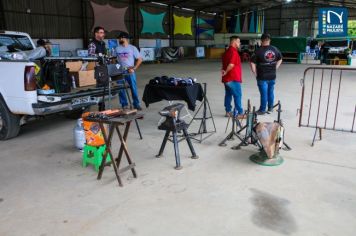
column 265, row 37
column 41, row 42
column 123, row 35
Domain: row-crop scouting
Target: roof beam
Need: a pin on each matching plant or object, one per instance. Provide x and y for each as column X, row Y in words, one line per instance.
column 214, row 5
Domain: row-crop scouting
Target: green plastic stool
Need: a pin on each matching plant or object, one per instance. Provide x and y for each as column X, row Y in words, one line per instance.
column 94, row 156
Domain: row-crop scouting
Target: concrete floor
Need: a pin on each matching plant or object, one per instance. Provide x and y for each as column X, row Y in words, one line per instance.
column 45, row 191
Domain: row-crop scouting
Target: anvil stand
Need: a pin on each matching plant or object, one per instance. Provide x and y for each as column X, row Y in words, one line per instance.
column 176, row 125
column 207, row 114
column 279, row 120
column 251, row 136
column 236, row 124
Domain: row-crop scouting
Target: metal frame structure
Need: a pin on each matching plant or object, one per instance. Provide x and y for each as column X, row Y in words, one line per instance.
column 321, row 122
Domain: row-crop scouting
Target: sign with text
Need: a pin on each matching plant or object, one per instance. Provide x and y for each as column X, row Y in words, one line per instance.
column 333, row 22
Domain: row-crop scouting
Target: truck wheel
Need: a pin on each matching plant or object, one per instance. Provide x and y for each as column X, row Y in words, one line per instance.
column 9, row 122
column 74, row 115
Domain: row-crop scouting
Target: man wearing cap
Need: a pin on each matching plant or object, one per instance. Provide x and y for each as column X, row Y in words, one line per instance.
column 130, row 60
column 264, row 64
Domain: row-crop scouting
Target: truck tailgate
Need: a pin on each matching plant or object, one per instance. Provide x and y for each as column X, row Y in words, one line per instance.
column 53, row 103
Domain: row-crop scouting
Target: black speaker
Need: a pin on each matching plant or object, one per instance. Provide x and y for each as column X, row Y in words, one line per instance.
column 101, row 75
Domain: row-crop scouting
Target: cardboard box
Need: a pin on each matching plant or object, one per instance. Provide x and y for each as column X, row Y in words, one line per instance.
column 91, row 65
column 86, row 78
column 74, row 66
column 83, row 78
column 215, row 53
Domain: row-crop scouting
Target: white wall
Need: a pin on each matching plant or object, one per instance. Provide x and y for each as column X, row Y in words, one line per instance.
column 151, row 43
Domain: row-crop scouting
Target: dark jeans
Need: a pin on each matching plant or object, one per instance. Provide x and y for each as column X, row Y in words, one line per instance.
column 131, row 80
column 266, row 88
column 233, row 90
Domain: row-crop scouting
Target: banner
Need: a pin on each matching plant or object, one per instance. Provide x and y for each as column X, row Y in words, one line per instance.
column 252, row 23
column 200, row 52
column 245, row 26
column 352, row 28
column 295, row 28
column 152, row 23
column 333, row 22
column 170, row 54
column 147, row 54
column 205, row 31
column 109, row 17
column 238, row 24
column 223, row 27
column 182, row 25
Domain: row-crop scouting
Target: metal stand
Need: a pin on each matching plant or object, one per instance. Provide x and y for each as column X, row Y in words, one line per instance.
column 181, row 126
column 236, row 123
column 251, row 122
column 250, row 136
column 279, row 120
column 320, row 135
column 207, row 114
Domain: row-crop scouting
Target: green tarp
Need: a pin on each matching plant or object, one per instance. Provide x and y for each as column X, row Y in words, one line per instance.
column 290, row 44
column 152, row 23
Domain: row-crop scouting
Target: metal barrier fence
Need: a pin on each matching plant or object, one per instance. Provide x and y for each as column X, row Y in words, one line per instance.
column 328, row 99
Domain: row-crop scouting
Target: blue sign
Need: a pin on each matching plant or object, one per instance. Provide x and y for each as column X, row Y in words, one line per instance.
column 333, row 22
column 112, row 43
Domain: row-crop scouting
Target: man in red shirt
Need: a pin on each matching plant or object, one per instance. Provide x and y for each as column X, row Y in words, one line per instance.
column 232, row 78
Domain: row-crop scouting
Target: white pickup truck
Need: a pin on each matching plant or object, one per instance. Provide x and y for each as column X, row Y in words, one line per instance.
column 19, row 101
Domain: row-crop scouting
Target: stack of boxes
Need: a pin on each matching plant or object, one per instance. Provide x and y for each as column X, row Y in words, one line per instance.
column 83, row 73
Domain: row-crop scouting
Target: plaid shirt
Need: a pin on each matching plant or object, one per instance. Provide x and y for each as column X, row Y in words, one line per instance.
column 91, row 49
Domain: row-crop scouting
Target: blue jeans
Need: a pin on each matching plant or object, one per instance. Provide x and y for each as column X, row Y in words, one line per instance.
column 266, row 88
column 233, row 90
column 131, row 80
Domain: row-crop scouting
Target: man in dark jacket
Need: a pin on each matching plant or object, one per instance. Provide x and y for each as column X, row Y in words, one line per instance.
column 97, row 45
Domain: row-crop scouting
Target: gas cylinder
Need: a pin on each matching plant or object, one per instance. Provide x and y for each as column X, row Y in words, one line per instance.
column 79, row 135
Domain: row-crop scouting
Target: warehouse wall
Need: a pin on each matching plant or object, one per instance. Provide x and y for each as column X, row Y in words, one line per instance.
column 74, row 19
column 279, row 20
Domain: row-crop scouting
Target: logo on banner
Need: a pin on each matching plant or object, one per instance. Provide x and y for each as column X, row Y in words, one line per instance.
column 148, row 54
column 333, row 22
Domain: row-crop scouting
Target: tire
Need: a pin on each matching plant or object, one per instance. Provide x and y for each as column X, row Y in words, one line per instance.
column 74, row 115
column 9, row 122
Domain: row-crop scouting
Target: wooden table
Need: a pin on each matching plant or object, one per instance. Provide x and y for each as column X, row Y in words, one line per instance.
column 114, row 124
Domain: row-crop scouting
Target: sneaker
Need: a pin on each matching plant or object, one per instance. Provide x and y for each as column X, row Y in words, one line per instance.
column 228, row 114
column 125, row 107
column 241, row 116
column 139, row 108
column 260, row 113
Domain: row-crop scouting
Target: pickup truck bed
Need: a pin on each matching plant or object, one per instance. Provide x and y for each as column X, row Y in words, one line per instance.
column 52, row 103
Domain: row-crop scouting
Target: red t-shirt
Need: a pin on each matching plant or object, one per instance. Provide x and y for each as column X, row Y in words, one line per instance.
column 231, row 56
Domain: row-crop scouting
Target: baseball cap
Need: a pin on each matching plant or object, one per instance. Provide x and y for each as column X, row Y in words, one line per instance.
column 124, row 35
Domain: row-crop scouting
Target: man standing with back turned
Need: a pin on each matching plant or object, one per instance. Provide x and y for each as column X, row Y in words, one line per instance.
column 264, row 64
column 232, row 78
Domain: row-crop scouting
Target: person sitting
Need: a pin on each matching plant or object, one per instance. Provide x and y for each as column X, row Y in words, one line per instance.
column 40, row 52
